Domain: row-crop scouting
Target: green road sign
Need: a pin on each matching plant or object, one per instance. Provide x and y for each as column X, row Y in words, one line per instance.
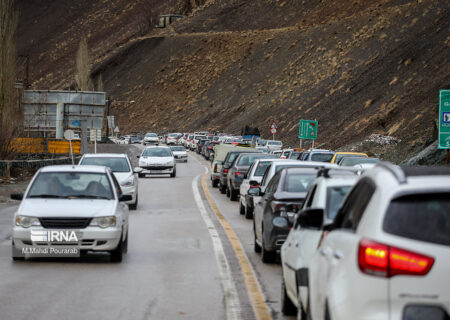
column 308, row 129
column 444, row 119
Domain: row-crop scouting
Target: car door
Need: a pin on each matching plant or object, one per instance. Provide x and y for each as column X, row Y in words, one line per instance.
column 245, row 185
column 259, row 210
column 338, row 253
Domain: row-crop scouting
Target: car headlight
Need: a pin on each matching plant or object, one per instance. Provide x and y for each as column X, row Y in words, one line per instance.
column 103, row 222
column 128, row 182
column 168, row 163
column 26, row 221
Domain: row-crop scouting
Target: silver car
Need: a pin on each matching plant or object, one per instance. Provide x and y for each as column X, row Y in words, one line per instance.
column 68, row 210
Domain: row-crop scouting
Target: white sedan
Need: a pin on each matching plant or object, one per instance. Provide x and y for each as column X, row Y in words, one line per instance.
column 67, row 210
column 180, row 153
column 120, row 165
column 157, row 160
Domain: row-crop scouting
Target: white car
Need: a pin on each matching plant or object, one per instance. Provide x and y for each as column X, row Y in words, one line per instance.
column 325, row 197
column 180, row 153
column 120, row 165
column 194, row 141
column 273, row 144
column 150, row 138
column 172, row 138
column 387, row 253
column 84, row 201
column 157, row 160
column 253, row 180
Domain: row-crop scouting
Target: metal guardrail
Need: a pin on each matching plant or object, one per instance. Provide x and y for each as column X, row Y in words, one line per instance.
column 7, row 165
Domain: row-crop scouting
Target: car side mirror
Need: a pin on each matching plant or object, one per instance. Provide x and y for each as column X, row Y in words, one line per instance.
column 16, row 196
column 311, row 218
column 254, row 192
column 137, row 170
column 125, row 197
column 138, row 156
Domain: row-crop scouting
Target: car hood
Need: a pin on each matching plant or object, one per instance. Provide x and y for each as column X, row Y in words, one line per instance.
column 122, row 176
column 156, row 160
column 151, row 138
column 67, row 207
column 178, row 153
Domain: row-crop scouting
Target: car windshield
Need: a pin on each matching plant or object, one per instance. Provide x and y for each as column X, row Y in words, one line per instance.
column 151, row 135
column 178, row 148
column 335, row 197
column 349, row 162
column 294, row 155
column 340, row 156
column 422, row 217
column 299, row 182
column 247, row 160
column 116, row 164
column 261, row 168
column 322, row 157
column 157, row 152
column 71, row 185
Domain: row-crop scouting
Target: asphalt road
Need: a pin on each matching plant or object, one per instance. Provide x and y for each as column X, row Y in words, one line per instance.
column 180, row 263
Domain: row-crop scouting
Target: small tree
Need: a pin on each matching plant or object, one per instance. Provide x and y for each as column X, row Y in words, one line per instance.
column 9, row 109
column 83, row 75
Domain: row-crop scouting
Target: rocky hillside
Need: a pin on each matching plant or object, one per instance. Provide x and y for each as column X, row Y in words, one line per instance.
column 359, row 67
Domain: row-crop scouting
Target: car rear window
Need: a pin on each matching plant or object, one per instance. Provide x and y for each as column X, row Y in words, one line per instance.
column 248, row 160
column 298, row 182
column 335, row 197
column 423, row 217
column 261, row 168
column 322, row 157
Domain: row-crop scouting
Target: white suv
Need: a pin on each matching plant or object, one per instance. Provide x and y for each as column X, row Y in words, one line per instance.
column 387, row 255
column 324, row 198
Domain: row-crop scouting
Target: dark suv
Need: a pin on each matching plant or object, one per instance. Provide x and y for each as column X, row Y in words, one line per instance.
column 239, row 169
column 273, row 216
column 227, row 163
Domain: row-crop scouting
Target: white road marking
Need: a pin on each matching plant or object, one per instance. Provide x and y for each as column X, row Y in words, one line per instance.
column 232, row 303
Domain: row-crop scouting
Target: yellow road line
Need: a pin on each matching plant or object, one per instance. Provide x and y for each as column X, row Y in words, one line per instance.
column 259, row 305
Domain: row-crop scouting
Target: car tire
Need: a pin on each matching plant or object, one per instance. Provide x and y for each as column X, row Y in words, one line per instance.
column 256, row 246
column 267, row 256
column 287, row 307
column 133, row 206
column 125, row 244
column 117, row 253
column 248, row 213
column 227, row 191
column 215, row 183
column 241, row 208
column 222, row 188
column 173, row 174
column 233, row 194
column 141, row 175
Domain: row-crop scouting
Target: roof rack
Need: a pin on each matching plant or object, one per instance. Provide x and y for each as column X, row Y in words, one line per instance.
column 395, row 170
column 325, row 172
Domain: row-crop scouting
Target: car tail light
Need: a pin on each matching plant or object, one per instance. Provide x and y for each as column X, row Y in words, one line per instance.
column 225, row 170
column 209, row 147
column 189, row 140
column 255, row 186
column 240, row 175
column 386, row 261
column 215, row 167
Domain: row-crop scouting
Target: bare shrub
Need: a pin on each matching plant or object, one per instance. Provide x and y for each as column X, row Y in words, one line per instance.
column 186, row 6
column 83, row 75
column 10, row 110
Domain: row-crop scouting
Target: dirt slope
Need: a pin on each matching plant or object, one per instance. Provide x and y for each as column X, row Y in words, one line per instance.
column 359, row 67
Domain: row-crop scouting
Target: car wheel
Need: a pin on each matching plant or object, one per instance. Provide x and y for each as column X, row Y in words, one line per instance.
column 267, row 256
column 173, row 174
column 125, row 244
column 287, row 307
column 117, row 253
column 141, row 175
column 241, row 208
column 256, row 247
column 222, row 188
column 248, row 213
column 233, row 194
column 227, row 191
column 133, row 206
column 215, row 183
column 16, row 253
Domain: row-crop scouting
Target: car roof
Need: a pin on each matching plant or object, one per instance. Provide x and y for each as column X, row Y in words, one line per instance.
column 70, row 168
column 105, row 155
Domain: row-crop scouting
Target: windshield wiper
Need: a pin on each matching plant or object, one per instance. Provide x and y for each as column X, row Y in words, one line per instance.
column 87, row 196
column 46, row 196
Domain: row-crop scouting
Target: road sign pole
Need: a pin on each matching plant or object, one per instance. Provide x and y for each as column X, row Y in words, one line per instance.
column 312, row 145
column 95, row 140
